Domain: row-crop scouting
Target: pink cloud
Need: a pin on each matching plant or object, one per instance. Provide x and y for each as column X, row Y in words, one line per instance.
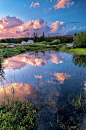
column 8, row 26
column 57, row 26
column 52, row 0
column 63, row 4
column 13, row 27
column 44, row 9
column 38, row 26
column 10, row 22
column 35, row 4
column 50, row 8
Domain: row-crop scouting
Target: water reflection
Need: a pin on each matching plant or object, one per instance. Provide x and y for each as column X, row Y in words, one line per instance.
column 38, row 76
column 20, row 61
column 21, row 91
column 85, row 85
column 61, row 77
column 45, row 76
column 14, row 63
column 40, row 69
column 79, row 60
column 2, row 74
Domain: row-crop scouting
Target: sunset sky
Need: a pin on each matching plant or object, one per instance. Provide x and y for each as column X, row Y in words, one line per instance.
column 21, row 18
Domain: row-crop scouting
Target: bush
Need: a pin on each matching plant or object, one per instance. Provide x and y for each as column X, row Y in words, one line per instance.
column 64, row 48
column 44, row 42
column 80, row 39
column 50, row 43
column 56, row 41
column 22, row 49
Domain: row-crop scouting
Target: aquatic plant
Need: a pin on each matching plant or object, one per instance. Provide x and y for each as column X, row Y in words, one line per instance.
column 70, row 116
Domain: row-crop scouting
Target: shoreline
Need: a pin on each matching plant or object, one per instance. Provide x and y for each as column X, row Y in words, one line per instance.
column 9, row 52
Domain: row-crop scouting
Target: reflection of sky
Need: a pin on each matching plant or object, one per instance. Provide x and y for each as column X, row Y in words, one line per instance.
column 85, row 85
column 61, row 77
column 20, row 61
column 41, row 75
column 21, row 91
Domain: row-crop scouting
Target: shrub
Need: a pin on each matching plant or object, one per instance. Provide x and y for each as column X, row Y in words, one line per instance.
column 56, row 41
column 64, row 48
column 22, row 49
column 50, row 43
column 43, row 42
column 80, row 39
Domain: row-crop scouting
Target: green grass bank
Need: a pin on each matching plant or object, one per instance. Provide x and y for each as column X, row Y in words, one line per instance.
column 22, row 48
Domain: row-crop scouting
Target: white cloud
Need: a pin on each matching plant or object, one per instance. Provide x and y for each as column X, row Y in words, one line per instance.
column 75, row 30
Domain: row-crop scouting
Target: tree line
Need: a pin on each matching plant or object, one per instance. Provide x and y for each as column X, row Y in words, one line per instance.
column 63, row 39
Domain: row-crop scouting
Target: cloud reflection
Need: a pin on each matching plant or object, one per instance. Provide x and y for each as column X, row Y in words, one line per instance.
column 21, row 91
column 85, row 85
column 38, row 76
column 51, row 81
column 56, row 59
column 20, row 61
column 61, row 77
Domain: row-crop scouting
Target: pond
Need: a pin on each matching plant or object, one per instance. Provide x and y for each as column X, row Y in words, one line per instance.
column 70, row 44
column 43, row 76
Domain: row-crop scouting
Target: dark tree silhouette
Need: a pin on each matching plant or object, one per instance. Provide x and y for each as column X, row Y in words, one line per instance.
column 36, row 34
column 75, row 34
column 43, row 34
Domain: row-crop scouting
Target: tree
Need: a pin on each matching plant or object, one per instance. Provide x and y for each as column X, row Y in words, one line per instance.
column 43, row 34
column 36, row 34
column 75, row 34
column 80, row 39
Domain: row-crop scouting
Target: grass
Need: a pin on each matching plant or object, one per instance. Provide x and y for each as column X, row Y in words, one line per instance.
column 79, row 51
column 18, row 115
column 8, row 52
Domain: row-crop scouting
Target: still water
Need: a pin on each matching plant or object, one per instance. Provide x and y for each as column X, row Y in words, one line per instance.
column 43, row 76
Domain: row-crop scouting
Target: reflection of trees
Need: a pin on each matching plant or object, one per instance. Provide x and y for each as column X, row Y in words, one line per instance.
column 43, row 53
column 36, row 53
column 1, row 74
column 79, row 60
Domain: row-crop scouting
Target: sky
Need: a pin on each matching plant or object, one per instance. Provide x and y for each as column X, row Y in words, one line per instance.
column 21, row 18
